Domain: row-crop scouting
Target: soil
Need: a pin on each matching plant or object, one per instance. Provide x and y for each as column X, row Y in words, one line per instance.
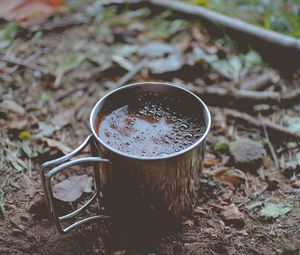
column 50, row 110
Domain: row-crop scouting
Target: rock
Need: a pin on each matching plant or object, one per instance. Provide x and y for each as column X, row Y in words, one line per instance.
column 233, row 217
column 17, row 232
column 193, row 247
column 247, row 154
column 38, row 206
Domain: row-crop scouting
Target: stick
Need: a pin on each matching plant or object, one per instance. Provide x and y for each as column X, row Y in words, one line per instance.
column 245, row 99
column 278, row 133
column 127, row 77
column 273, row 153
column 231, row 23
column 235, row 98
column 31, row 66
column 260, row 82
column 62, row 23
column 290, row 98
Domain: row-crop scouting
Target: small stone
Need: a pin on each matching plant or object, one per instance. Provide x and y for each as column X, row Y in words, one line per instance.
column 247, row 154
column 17, row 232
column 233, row 217
column 193, row 247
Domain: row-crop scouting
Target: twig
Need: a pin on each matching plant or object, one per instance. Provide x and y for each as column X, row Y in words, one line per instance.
column 31, row 66
column 61, row 23
column 246, row 99
column 29, row 168
column 290, row 98
column 235, row 98
column 246, row 181
column 278, row 132
column 260, row 82
column 127, row 77
column 273, row 153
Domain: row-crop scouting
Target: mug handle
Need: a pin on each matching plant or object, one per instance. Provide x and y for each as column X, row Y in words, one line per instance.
column 64, row 163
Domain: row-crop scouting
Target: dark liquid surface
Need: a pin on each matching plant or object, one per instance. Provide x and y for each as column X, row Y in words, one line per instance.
column 152, row 126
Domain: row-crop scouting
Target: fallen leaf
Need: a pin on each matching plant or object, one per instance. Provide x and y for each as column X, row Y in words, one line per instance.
column 294, row 127
column 71, row 189
column 252, row 58
column 164, row 65
column 209, row 162
column 45, row 130
column 188, row 223
column 221, row 146
column 125, row 50
column 25, row 147
column 65, row 117
column 18, row 124
column 67, row 64
column 7, row 34
column 272, row 210
column 233, row 217
column 290, row 249
column 29, row 12
column 298, row 158
column 156, row 49
column 122, row 62
column 231, row 177
column 254, row 205
column 199, row 54
column 234, row 65
column 11, row 106
column 88, row 188
column 18, row 164
column 56, row 144
column 119, row 253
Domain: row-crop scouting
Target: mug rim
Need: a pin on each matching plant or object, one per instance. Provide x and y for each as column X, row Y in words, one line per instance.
column 94, row 112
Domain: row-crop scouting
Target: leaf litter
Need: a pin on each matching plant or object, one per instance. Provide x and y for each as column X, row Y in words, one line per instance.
column 70, row 189
column 228, row 215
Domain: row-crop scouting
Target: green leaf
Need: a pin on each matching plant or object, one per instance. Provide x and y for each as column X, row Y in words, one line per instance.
column 71, row 62
column 251, row 59
column 272, row 210
column 221, row 146
column 294, row 127
column 26, row 149
column 8, row 34
column 67, row 64
column 298, row 158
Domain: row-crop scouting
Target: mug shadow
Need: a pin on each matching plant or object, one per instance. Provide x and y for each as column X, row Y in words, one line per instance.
column 138, row 234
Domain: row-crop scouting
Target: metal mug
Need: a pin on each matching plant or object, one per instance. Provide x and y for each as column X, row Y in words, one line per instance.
column 133, row 185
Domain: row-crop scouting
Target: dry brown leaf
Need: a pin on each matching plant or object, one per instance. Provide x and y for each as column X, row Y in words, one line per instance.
column 71, row 189
column 29, row 12
column 209, row 162
column 56, row 144
column 232, row 216
column 65, row 117
column 189, row 223
column 11, row 106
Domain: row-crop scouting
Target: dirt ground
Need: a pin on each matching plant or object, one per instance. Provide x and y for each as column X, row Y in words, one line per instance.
column 50, row 81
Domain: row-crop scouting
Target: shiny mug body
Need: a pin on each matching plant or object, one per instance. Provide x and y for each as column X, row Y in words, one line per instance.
column 135, row 188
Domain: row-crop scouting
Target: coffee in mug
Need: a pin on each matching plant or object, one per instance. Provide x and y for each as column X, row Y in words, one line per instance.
column 150, row 125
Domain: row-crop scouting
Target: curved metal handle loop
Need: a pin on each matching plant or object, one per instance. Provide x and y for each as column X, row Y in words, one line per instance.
column 73, row 153
column 46, row 180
